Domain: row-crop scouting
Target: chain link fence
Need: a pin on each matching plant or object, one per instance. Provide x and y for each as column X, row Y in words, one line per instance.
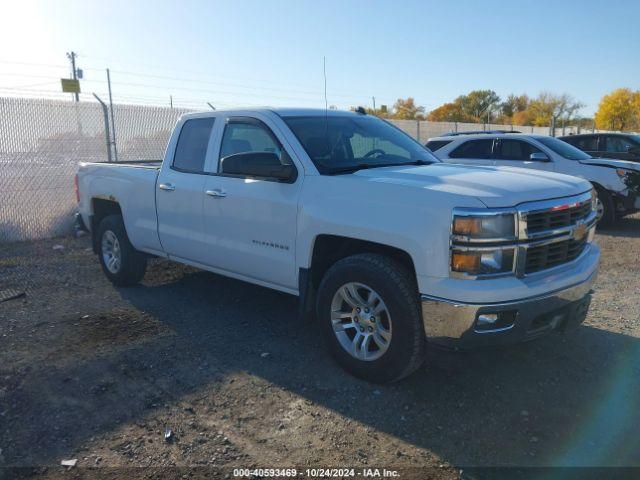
column 42, row 141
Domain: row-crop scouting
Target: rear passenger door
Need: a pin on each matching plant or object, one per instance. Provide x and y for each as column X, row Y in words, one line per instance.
column 180, row 191
column 473, row 152
column 586, row 143
column 511, row 152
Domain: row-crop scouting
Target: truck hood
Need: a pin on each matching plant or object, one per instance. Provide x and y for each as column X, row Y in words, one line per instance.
column 612, row 163
column 493, row 186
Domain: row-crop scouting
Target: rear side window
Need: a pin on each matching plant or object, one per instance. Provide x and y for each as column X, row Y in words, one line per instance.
column 434, row 145
column 473, row 149
column 515, row 150
column 192, row 145
column 617, row 144
column 586, row 143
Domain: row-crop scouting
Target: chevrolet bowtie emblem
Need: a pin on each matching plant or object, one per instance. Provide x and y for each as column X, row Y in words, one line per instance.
column 580, row 230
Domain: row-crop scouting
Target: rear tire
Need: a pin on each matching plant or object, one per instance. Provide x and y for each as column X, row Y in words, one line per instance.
column 121, row 263
column 392, row 322
column 606, row 208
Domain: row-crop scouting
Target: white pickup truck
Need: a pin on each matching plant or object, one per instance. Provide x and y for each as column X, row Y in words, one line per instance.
column 387, row 247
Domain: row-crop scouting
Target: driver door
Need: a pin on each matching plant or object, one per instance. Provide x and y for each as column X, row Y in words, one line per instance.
column 253, row 220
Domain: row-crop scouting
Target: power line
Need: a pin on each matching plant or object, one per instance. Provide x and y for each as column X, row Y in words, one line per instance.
column 355, row 97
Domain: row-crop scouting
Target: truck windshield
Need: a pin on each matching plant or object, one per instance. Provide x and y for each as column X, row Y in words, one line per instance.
column 563, row 148
column 340, row 144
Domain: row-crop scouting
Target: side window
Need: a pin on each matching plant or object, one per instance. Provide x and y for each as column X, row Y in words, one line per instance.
column 434, row 145
column 248, row 136
column 617, row 144
column 473, row 149
column 588, row 144
column 515, row 150
column 191, row 149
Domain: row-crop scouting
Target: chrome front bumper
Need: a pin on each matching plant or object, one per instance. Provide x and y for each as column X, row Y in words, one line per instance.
column 455, row 324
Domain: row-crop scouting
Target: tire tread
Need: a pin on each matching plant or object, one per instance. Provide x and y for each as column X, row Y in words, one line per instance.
column 406, row 288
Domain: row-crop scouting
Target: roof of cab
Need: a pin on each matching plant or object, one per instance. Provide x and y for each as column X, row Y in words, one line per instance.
column 312, row 112
column 282, row 112
column 487, row 136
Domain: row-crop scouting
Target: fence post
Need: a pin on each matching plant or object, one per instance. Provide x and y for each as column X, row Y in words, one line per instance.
column 418, row 129
column 107, row 134
column 113, row 123
column 455, row 127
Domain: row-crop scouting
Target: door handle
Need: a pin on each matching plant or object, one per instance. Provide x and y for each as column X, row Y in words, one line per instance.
column 216, row 193
column 167, row 186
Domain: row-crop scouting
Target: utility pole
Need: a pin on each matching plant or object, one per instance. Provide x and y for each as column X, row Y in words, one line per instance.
column 171, row 101
column 74, row 73
column 374, row 105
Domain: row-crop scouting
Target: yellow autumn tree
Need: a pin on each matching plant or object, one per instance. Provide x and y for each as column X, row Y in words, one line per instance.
column 619, row 110
column 407, row 110
column 449, row 112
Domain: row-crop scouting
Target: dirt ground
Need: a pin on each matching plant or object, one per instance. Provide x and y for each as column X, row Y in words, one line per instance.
column 98, row 374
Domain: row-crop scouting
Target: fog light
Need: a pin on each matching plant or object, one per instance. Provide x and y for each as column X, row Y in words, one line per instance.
column 487, row 319
column 491, row 322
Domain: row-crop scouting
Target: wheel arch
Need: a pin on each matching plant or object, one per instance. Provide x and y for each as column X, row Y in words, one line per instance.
column 328, row 249
column 101, row 208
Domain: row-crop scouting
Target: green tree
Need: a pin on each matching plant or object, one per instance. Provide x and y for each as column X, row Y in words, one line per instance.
column 514, row 104
column 478, row 103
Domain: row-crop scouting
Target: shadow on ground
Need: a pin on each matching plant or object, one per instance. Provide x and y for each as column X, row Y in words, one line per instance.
column 624, row 227
column 572, row 399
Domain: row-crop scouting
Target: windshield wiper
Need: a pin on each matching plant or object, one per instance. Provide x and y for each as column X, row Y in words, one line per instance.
column 366, row 166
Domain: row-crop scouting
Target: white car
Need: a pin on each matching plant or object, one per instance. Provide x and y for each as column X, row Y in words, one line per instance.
column 384, row 244
column 617, row 182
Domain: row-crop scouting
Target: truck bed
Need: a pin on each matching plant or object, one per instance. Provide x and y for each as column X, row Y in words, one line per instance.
column 132, row 185
column 131, row 163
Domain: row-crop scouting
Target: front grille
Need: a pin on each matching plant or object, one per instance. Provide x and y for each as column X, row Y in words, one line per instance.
column 553, row 254
column 558, row 218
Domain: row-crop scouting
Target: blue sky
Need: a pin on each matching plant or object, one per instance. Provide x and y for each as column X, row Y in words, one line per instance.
column 270, row 53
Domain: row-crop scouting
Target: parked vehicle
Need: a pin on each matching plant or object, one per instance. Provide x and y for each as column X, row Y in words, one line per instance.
column 617, row 182
column 383, row 243
column 623, row 146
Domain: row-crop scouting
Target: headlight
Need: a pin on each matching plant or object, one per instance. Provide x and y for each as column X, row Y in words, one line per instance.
column 473, row 233
column 485, row 227
column 482, row 262
column 623, row 173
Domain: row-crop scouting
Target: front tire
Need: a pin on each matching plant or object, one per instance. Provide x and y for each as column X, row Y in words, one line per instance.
column 121, row 263
column 369, row 311
column 605, row 208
